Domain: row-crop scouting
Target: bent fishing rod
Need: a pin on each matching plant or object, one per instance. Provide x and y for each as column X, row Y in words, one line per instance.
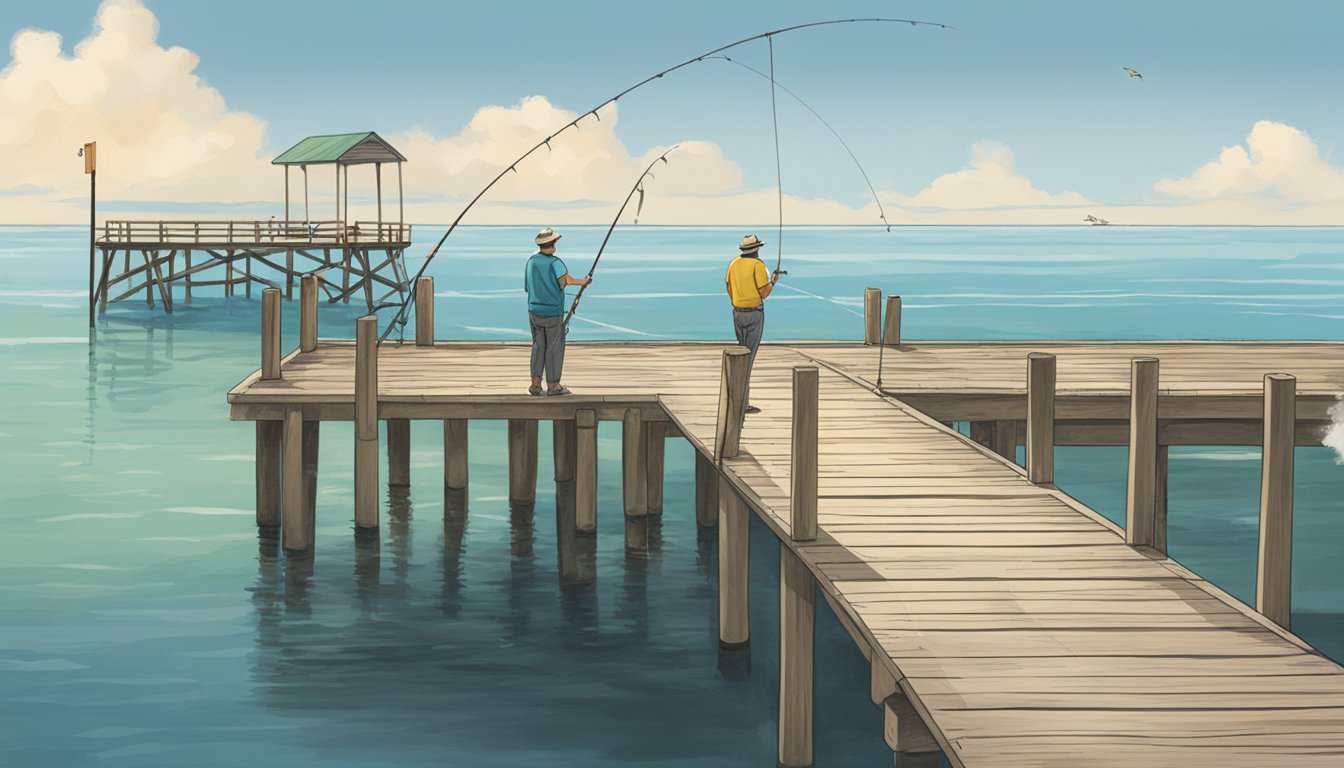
column 405, row 306
column 638, row 187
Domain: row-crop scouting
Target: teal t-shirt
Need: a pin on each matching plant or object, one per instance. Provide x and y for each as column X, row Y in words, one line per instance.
column 545, row 297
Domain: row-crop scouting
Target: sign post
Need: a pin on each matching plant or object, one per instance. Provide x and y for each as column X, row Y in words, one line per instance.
column 90, row 153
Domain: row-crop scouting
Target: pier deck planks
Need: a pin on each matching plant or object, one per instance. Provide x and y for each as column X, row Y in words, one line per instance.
column 1016, row 620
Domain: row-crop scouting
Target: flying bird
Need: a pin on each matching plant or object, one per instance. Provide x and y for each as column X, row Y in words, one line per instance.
column 1132, row 73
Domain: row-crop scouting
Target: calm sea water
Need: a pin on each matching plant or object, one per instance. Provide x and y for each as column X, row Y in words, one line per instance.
column 146, row 624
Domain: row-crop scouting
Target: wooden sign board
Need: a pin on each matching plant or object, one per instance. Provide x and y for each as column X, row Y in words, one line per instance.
column 90, row 155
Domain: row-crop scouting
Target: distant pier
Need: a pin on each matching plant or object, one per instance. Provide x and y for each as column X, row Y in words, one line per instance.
column 1006, row 624
column 147, row 259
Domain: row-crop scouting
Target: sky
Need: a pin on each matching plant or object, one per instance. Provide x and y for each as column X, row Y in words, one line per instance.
column 1022, row 114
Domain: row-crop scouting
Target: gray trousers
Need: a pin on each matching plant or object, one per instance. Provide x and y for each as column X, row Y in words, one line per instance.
column 548, row 345
column 749, row 326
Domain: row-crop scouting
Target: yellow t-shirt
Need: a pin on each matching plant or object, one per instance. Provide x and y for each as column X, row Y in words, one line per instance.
column 746, row 276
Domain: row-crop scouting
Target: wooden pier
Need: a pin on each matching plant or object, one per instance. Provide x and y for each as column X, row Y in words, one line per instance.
column 351, row 257
column 1006, row 624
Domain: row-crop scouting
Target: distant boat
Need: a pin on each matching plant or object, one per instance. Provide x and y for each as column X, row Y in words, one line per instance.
column 1095, row 221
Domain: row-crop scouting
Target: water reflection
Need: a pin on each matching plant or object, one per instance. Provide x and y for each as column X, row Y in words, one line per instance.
column 368, row 569
column 453, row 550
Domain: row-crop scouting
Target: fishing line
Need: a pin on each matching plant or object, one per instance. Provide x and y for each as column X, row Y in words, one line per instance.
column 779, row 182
column 881, row 212
column 403, row 314
column 839, row 304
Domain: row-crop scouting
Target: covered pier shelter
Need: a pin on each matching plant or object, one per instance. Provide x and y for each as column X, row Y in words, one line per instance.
column 350, row 257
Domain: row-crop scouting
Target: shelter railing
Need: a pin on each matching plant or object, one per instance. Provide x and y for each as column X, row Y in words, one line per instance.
column 181, row 232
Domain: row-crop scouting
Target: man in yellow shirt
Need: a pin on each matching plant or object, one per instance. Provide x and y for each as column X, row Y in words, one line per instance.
column 748, row 286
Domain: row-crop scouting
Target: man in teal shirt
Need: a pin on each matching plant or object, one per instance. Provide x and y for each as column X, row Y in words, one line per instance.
column 545, row 279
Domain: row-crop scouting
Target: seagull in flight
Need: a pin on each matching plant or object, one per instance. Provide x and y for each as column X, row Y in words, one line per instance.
column 1132, row 73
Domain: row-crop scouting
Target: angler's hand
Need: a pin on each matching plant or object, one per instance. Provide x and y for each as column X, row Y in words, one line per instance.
column 586, row 281
column 774, row 276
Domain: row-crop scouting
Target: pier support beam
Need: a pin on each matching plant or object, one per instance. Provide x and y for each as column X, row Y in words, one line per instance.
column 734, row 627
column 1274, row 573
column 366, row 422
column 634, row 463
column 585, row 471
column 803, row 463
column 797, row 624
column 1141, row 487
column 270, row 435
column 307, row 313
column 563, row 437
column 523, row 460
column 1041, row 418
column 654, row 452
column 455, row 453
column 399, row 453
column 706, row 492
column 295, row 534
column 905, row 732
column 1160, row 507
column 881, row 683
column 1005, row 439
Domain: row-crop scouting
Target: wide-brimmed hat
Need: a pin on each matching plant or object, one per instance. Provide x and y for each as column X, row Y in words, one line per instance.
column 751, row 243
column 547, row 236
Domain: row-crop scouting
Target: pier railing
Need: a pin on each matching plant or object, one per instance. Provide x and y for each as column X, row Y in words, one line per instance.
column 254, row 232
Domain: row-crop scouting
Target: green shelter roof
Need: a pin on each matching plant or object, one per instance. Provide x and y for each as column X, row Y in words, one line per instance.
column 343, row 148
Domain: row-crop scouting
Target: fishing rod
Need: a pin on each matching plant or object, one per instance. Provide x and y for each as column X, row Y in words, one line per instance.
column 638, row 187
column 405, row 306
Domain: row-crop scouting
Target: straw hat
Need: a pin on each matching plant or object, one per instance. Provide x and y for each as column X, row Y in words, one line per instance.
column 751, row 243
column 547, row 236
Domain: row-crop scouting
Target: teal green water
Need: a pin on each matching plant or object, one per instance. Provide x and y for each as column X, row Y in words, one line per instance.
column 147, row 624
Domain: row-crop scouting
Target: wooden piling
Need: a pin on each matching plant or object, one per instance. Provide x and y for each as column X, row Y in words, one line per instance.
column 1160, row 507
column 1141, row 487
column 706, row 492
column 1274, row 572
column 803, row 466
column 270, row 436
column 307, row 313
column 295, row 534
column 797, row 620
column 872, row 315
column 523, row 460
column 732, row 405
column 891, row 327
column 585, row 471
column 424, row 312
column 654, row 453
column 270, row 334
column 455, row 453
column 634, row 463
column 311, row 433
column 734, row 549
column 563, row 436
column 903, row 729
column 1041, row 418
column 186, row 281
column 366, row 422
column 1005, row 439
column 399, row 452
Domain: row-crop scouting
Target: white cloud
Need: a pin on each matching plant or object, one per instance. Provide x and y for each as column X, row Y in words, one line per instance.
column 161, row 132
column 1278, row 162
column 990, row 181
column 586, row 163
